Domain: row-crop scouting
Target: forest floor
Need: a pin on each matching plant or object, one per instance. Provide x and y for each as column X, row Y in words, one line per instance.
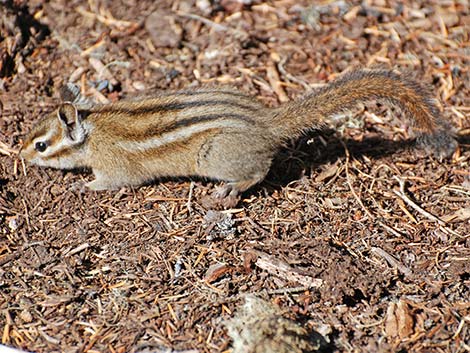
column 357, row 238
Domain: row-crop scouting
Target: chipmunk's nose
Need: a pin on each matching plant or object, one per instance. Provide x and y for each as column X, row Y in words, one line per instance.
column 21, row 152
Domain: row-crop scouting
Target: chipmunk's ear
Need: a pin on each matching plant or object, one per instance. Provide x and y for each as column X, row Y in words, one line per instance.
column 70, row 93
column 72, row 122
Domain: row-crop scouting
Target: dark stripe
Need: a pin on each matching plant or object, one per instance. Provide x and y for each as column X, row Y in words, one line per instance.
column 173, row 107
column 159, row 130
column 206, row 91
column 40, row 132
column 40, row 128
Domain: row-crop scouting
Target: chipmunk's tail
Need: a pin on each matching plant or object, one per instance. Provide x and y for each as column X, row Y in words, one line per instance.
column 310, row 112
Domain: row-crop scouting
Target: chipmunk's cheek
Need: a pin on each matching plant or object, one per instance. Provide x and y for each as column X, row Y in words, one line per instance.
column 31, row 157
column 38, row 161
column 33, row 161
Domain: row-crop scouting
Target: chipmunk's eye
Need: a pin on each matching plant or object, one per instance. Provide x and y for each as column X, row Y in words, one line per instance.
column 40, row 146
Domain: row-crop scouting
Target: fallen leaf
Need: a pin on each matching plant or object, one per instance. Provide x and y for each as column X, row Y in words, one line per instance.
column 460, row 215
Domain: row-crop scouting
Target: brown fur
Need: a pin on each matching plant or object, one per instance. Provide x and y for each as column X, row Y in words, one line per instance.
column 359, row 86
column 219, row 134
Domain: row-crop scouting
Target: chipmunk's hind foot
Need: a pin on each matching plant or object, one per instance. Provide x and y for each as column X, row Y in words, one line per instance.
column 442, row 144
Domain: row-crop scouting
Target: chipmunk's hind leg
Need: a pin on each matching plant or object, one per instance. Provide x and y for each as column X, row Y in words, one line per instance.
column 236, row 160
column 230, row 191
column 228, row 194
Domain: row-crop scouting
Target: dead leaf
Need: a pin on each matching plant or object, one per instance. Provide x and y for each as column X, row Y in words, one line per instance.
column 398, row 321
column 460, row 215
column 327, row 173
column 404, row 319
column 216, row 271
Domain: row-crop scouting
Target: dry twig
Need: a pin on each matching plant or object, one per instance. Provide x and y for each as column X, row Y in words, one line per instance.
column 404, row 197
column 281, row 269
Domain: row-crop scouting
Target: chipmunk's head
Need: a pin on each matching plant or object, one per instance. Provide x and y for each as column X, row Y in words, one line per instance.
column 56, row 140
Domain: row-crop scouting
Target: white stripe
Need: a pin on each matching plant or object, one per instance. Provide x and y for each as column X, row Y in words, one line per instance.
column 178, row 135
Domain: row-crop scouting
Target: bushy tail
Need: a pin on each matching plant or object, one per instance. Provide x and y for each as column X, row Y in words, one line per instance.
column 294, row 118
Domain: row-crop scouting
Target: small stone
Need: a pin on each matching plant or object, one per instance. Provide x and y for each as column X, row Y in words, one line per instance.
column 204, row 5
column 26, row 316
column 138, row 85
column 13, row 224
column 163, row 29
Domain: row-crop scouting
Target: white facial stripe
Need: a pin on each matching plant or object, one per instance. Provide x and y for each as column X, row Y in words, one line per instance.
column 45, row 137
column 178, row 135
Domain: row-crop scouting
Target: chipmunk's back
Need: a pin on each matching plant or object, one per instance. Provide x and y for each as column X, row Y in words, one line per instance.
column 165, row 113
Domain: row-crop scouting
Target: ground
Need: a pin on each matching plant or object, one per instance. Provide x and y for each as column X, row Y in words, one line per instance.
column 356, row 235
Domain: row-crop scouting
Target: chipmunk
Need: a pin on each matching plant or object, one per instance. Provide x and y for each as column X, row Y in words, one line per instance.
column 218, row 134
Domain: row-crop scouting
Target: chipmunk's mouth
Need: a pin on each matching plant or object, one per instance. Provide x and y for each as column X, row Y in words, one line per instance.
column 25, row 156
column 21, row 153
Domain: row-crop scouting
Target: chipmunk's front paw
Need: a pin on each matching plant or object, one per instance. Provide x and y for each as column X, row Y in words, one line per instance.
column 98, row 185
column 79, row 186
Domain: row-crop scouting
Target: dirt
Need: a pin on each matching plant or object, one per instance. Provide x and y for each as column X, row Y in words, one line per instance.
column 379, row 227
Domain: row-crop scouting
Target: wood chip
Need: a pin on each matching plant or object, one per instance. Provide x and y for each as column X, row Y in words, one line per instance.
column 102, row 70
column 216, row 271
column 275, row 82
